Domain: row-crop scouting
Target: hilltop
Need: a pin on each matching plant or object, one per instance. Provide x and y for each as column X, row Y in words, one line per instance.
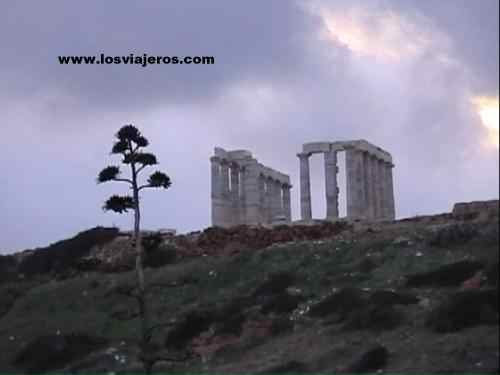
column 414, row 295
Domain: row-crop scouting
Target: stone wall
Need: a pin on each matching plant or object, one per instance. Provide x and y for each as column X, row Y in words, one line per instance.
column 477, row 208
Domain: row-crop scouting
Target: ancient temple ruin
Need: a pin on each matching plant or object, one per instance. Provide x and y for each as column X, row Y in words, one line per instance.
column 369, row 181
column 247, row 192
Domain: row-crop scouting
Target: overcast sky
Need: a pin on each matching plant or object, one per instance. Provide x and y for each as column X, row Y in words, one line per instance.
column 416, row 77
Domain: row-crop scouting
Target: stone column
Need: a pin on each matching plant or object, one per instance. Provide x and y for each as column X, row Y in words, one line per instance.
column 235, row 194
column 287, row 209
column 354, row 183
column 383, row 189
column 305, row 187
column 224, row 177
column 367, row 209
column 390, row 194
column 226, row 198
column 262, row 199
column 216, row 192
column 331, row 187
column 388, row 198
column 380, row 181
column 251, row 191
column 360, row 183
column 373, row 187
column 276, row 200
column 243, row 214
column 269, row 200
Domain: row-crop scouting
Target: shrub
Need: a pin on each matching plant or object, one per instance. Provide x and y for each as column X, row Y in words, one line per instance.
column 162, row 255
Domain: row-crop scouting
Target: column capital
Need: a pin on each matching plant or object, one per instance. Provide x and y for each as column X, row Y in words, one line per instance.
column 215, row 159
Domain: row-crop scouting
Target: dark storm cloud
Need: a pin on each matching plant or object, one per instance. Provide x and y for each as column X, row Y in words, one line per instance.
column 473, row 29
column 257, row 39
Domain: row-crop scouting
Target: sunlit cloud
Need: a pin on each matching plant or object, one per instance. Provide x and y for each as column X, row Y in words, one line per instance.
column 487, row 108
column 381, row 33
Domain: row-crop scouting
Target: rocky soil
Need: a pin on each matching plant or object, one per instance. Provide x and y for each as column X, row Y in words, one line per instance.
column 418, row 295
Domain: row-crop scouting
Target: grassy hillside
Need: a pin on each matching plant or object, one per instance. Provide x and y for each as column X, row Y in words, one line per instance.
column 370, row 258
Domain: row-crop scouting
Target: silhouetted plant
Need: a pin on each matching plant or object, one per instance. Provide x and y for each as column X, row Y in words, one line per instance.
column 129, row 145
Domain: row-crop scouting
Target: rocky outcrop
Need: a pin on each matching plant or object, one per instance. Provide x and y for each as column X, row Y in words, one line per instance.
column 227, row 240
column 476, row 209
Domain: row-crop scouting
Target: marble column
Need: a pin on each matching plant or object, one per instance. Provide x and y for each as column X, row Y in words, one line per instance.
column 242, row 195
column 216, row 192
column 388, row 199
column 305, row 187
column 383, row 189
column 390, row 195
column 268, row 200
column 225, row 192
column 360, row 184
column 373, row 186
column 215, row 176
column 262, row 199
column 380, row 181
column 331, row 187
column 354, row 183
column 276, row 200
column 287, row 209
column 235, row 194
column 368, row 209
column 349, row 177
column 224, row 178
column 251, row 191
